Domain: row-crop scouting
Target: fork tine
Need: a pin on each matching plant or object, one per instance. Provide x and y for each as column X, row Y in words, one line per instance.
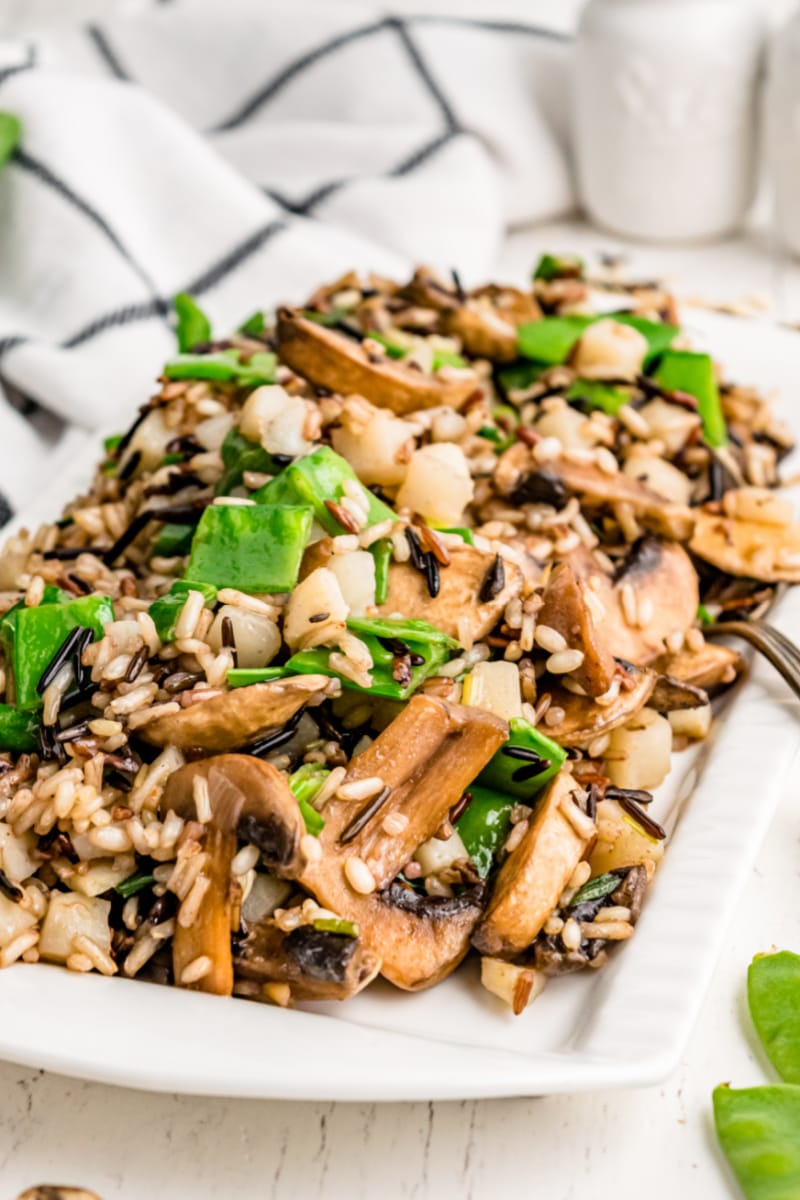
column 778, row 650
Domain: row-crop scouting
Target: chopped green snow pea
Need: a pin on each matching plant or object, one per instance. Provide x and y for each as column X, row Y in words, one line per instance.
column 329, row 319
column 51, row 595
column 245, row 676
column 254, row 326
column 315, row 478
column 596, row 889
column 193, row 325
column 484, row 826
column 704, row 615
column 403, row 629
column 305, row 782
column 519, row 375
column 550, row 340
column 225, row 366
column 447, row 358
column 773, row 994
column 522, row 775
column 658, row 334
column 134, row 883
column 336, row 925
column 433, row 654
column 685, row 371
column 604, row 396
column 166, row 610
column 10, row 135
column 173, row 541
column 36, row 635
column 381, row 551
column 239, row 454
column 256, row 547
column 759, row 1131
column 17, row 729
column 466, row 535
column 559, row 266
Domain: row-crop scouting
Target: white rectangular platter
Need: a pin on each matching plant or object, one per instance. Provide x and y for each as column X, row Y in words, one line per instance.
column 624, row 1026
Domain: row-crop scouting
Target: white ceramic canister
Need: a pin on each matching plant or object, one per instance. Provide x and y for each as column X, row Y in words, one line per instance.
column 665, row 115
column 783, row 130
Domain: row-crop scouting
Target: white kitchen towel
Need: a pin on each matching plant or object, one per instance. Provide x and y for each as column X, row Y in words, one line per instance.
column 245, row 153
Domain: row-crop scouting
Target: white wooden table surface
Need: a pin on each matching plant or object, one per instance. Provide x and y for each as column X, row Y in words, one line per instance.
column 126, row 1145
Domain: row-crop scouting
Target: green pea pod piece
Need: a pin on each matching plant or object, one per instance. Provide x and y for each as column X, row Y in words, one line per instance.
column 173, row 541
column 466, row 535
column 52, row 595
column 239, row 454
column 225, row 366
column 658, row 334
column 485, row 825
column 255, row 548
column 166, row 610
column 314, row 479
column 559, row 266
column 404, row 629
column 598, row 395
column 381, row 552
column 244, row 676
column 685, row 371
column 193, row 325
column 17, row 729
column 10, row 135
column 254, row 326
column 759, row 1131
column 523, row 777
column 773, row 994
column 447, row 358
column 37, row 634
column 433, row 654
column 519, row 375
column 393, row 349
column 551, row 339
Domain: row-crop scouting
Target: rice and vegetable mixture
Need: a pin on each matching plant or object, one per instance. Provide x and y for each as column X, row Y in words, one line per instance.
column 373, row 637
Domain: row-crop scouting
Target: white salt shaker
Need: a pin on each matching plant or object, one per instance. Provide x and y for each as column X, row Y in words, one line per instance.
column 665, row 115
column 783, row 130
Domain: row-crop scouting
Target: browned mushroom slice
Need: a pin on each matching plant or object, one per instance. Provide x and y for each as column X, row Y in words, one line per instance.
column 52, row 1191
column 584, row 719
column 316, row 963
column 671, row 695
column 534, row 875
column 566, row 610
column 250, row 800
column 427, row 290
column 426, row 757
column 487, row 322
column 238, row 717
column 758, row 551
column 661, row 516
column 710, row 667
column 473, row 593
column 332, row 360
column 654, row 594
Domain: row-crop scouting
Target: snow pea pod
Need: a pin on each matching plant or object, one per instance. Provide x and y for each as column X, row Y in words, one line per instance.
column 525, row 763
column 759, row 1131
column 166, row 610
column 485, row 825
column 256, row 548
column 239, row 454
column 773, row 994
column 319, row 479
column 17, row 729
column 224, row 366
column 36, row 634
column 685, row 371
column 193, row 325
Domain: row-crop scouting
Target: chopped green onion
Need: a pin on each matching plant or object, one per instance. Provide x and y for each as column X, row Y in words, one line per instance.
column 596, row 889
column 381, row 551
column 336, row 925
column 193, row 325
column 134, row 883
column 246, row 676
column 704, row 616
column 305, row 782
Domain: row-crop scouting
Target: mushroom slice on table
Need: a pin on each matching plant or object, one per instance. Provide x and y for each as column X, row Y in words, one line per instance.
column 566, row 610
column 332, row 360
column 420, row 764
column 710, row 667
column 473, row 592
column 584, row 719
column 236, row 718
column 317, row 964
column 534, row 875
column 767, row 552
column 653, row 594
column 250, row 801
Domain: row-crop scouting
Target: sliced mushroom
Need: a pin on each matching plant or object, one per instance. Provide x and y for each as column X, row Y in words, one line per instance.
column 656, row 584
column 236, row 718
column 584, row 719
column 459, row 609
column 316, row 963
column 710, row 667
column 250, row 801
column 52, row 1191
column 332, row 360
column 566, row 610
column 487, row 321
column 427, row 757
column 672, row 695
column 770, row 553
column 534, row 875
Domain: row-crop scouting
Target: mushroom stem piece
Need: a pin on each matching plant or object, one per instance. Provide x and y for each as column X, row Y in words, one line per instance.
column 317, row 964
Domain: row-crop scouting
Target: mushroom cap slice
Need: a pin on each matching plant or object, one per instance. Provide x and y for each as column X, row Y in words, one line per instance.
column 332, row 360
column 531, row 880
column 584, row 719
column 770, row 553
column 457, row 610
column 710, row 667
column 487, row 321
column 238, row 717
column 662, row 578
column 317, row 964
column 566, row 610
column 672, row 695
column 250, row 800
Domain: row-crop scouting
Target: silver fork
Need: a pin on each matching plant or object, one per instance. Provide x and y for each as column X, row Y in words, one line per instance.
column 769, row 641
